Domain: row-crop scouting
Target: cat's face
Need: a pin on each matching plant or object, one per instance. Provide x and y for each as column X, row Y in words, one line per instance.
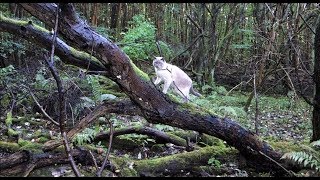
column 159, row 63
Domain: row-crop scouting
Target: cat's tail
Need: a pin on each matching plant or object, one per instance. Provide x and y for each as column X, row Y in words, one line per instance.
column 195, row 92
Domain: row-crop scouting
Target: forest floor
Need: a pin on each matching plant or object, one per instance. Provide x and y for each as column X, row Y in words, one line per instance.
column 280, row 120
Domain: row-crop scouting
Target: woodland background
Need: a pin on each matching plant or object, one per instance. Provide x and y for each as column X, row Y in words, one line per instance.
column 253, row 62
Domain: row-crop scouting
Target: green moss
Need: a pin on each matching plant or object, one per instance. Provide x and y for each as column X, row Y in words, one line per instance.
column 22, row 23
column 181, row 160
column 178, row 139
column 139, row 72
column 32, row 146
column 22, row 142
column 83, row 55
column 13, row 21
column 12, row 132
column 285, row 146
column 37, row 133
column 123, row 163
column 128, row 172
column 211, row 141
column 43, row 139
column 195, row 109
column 8, row 146
column 5, row 101
column 9, row 119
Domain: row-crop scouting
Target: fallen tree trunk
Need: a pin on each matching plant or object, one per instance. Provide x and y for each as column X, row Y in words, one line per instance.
column 23, row 162
column 175, row 163
column 154, row 105
column 122, row 107
column 159, row 136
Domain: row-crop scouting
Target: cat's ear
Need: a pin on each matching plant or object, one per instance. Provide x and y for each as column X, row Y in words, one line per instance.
column 162, row 59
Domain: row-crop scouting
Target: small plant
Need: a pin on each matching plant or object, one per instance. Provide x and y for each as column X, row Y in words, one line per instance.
column 214, row 162
column 139, row 43
column 85, row 136
column 309, row 158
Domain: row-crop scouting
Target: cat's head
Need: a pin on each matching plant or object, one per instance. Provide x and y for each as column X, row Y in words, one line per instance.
column 159, row 63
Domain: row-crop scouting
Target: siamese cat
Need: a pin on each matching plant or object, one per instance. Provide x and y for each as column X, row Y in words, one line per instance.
column 173, row 76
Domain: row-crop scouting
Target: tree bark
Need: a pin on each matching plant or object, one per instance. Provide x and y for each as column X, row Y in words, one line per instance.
column 155, row 106
column 20, row 162
column 43, row 38
column 316, row 79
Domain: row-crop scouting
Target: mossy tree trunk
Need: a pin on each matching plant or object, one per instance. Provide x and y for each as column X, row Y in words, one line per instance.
column 154, row 105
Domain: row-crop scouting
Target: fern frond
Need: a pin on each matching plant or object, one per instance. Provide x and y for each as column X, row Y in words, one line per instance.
column 85, row 136
column 303, row 158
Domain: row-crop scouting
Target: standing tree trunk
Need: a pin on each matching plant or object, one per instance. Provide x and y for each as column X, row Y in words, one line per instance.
column 115, row 8
column 316, row 78
column 94, row 17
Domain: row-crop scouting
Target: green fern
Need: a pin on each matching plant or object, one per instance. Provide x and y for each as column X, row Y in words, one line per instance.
column 95, row 85
column 308, row 158
column 85, row 136
column 316, row 143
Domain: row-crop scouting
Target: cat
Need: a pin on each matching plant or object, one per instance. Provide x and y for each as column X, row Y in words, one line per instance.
column 173, row 75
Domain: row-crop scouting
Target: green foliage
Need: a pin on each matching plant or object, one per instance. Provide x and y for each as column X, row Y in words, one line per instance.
column 138, row 138
column 97, row 90
column 140, row 41
column 214, row 162
column 228, row 111
column 7, row 74
column 9, row 118
column 12, row 132
column 85, row 136
column 221, row 104
column 8, row 46
column 310, row 158
column 163, row 127
column 40, row 81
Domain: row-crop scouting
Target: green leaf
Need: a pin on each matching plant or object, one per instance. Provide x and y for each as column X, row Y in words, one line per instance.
column 107, row 97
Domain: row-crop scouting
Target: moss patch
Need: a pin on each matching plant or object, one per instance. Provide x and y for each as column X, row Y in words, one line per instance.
column 9, row 119
column 139, row 72
column 8, row 146
column 12, row 132
column 31, row 146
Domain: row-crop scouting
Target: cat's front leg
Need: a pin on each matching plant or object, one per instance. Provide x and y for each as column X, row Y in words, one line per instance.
column 157, row 81
column 166, row 86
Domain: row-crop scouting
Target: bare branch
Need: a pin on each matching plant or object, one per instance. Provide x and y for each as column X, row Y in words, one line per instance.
column 40, row 107
column 62, row 106
column 108, row 151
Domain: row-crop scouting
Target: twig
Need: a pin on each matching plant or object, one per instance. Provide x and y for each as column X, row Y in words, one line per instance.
column 195, row 23
column 108, row 151
column 237, row 86
column 90, row 53
column 289, row 172
column 159, row 49
column 93, row 159
column 191, row 44
column 62, row 106
column 29, row 168
column 307, row 24
column 256, row 125
column 40, row 107
column 291, row 83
